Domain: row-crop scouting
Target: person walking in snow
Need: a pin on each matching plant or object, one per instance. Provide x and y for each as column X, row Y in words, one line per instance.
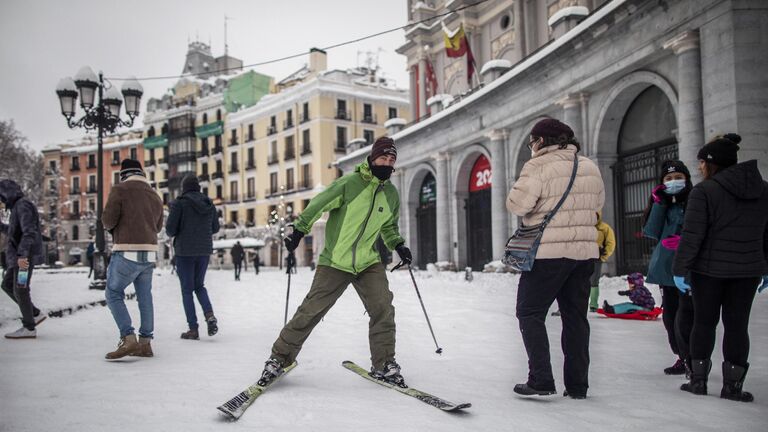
column 23, row 251
column 362, row 206
column 256, row 261
column 606, row 243
column 663, row 221
column 192, row 222
column 237, row 258
column 134, row 216
column 564, row 260
column 722, row 259
column 640, row 298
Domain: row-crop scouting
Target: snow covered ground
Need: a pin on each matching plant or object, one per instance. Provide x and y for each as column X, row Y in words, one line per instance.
column 61, row 382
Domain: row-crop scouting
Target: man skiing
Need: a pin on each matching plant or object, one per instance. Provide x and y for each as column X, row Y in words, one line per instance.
column 362, row 206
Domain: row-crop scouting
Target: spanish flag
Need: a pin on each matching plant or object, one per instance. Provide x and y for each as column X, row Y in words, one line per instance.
column 455, row 44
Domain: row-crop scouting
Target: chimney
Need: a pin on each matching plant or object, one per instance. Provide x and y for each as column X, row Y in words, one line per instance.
column 394, row 125
column 318, row 60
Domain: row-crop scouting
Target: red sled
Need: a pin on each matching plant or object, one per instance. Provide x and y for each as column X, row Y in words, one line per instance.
column 636, row 315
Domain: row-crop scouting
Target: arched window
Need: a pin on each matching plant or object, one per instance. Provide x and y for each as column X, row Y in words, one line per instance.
column 151, row 131
column 75, row 232
column 218, row 115
column 205, row 118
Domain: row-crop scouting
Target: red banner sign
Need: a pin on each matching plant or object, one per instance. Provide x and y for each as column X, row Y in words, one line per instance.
column 480, row 178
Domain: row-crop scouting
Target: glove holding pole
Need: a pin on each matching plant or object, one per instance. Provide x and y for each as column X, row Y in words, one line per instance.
column 291, row 243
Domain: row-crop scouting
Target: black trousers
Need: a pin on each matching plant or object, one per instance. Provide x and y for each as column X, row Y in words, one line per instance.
column 678, row 319
column 566, row 281
column 238, row 267
column 21, row 296
column 734, row 297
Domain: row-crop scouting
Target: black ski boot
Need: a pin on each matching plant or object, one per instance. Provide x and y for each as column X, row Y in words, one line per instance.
column 676, row 369
column 272, row 369
column 528, row 389
column 733, row 380
column 699, row 375
column 390, row 374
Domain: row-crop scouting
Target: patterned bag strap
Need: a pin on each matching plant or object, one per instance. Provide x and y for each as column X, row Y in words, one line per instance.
column 551, row 214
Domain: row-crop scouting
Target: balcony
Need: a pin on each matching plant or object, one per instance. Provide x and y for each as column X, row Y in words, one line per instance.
column 289, row 187
column 75, row 167
column 74, row 191
column 287, row 123
column 369, row 118
column 232, row 199
column 268, row 193
column 203, row 178
column 234, row 169
column 162, row 163
column 251, row 164
column 250, row 196
column 91, row 165
column 217, row 152
column 50, row 172
column 306, row 183
column 203, row 153
column 290, row 153
column 117, row 162
column 92, row 189
column 343, row 115
column 340, row 146
column 271, row 130
column 218, row 177
column 233, row 141
column 306, row 149
column 163, row 185
column 53, row 192
column 304, row 117
column 272, row 159
column 147, row 163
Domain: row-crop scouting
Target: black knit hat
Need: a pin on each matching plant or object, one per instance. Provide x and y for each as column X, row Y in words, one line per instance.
column 721, row 151
column 190, row 183
column 130, row 167
column 673, row 166
column 383, row 146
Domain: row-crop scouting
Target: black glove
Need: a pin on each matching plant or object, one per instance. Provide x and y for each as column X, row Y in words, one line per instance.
column 623, row 293
column 292, row 240
column 404, row 252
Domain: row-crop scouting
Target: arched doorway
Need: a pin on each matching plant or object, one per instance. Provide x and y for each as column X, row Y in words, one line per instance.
column 426, row 222
column 478, row 205
column 646, row 139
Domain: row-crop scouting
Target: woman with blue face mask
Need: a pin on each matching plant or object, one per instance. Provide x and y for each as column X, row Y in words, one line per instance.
column 663, row 222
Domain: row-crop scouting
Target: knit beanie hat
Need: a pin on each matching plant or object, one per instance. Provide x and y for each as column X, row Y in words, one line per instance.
column 721, row 151
column 130, row 167
column 551, row 128
column 190, row 183
column 383, row 146
column 674, row 166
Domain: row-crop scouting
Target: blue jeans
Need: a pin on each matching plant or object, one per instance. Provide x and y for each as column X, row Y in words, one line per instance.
column 121, row 273
column 191, row 271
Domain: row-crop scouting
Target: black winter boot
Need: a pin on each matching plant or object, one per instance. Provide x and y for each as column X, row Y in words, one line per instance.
column 733, row 380
column 699, row 375
column 679, row 368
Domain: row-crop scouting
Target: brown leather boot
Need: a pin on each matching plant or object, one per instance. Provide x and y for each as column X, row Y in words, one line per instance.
column 191, row 334
column 128, row 345
column 145, row 349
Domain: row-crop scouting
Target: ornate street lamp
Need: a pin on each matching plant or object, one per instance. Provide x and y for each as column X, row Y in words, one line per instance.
column 101, row 115
column 279, row 220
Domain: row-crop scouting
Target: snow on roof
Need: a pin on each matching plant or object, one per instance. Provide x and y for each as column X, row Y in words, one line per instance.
column 566, row 12
column 509, row 76
column 245, row 242
column 496, row 64
column 397, row 121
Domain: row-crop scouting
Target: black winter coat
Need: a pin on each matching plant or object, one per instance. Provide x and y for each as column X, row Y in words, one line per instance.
column 237, row 253
column 23, row 229
column 725, row 233
column 192, row 221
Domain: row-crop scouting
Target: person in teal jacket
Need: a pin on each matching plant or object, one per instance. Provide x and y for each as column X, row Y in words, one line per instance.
column 663, row 222
column 361, row 206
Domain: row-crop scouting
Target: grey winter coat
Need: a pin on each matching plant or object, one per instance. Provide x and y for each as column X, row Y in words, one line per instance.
column 23, row 229
column 192, row 222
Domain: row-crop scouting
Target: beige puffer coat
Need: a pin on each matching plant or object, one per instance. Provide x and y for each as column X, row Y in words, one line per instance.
column 542, row 182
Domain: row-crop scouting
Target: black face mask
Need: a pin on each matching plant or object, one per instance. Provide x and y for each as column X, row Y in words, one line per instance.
column 382, row 172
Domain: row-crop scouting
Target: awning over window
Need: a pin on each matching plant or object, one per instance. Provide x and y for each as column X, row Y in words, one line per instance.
column 155, row 142
column 204, row 131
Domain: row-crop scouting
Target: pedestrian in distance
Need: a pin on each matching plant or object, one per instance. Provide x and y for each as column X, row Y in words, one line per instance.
column 89, row 254
column 23, row 251
column 722, row 259
column 237, row 258
column 565, row 257
column 192, row 222
column 256, row 262
column 361, row 206
column 663, row 222
column 134, row 216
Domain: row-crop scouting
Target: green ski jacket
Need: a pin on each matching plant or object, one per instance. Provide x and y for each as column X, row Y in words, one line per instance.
column 361, row 207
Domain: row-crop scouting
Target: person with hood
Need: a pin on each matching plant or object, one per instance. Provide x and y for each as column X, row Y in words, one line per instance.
column 565, row 256
column 134, row 216
column 23, row 251
column 722, row 259
column 192, row 222
column 237, row 254
column 362, row 205
column 663, row 221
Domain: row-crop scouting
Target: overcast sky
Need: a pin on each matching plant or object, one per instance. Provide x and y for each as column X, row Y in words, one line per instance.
column 42, row 41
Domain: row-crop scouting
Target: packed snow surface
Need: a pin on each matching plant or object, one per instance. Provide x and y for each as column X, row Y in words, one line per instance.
column 61, row 382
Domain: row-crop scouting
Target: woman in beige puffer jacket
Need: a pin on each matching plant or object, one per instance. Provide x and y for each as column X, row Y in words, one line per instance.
column 563, row 262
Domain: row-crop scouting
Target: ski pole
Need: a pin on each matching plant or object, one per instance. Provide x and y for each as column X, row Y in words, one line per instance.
column 418, row 294
column 287, row 295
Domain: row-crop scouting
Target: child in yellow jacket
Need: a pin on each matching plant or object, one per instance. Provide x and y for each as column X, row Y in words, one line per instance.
column 606, row 241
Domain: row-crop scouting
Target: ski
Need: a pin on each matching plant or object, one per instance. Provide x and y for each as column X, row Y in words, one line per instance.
column 418, row 394
column 235, row 407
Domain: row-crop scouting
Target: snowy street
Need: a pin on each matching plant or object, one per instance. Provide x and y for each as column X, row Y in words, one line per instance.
column 61, row 382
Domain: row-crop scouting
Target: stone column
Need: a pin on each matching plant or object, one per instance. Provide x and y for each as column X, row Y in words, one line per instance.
column 605, row 164
column 443, row 205
column 422, row 85
column 572, row 114
column 690, row 114
column 499, row 189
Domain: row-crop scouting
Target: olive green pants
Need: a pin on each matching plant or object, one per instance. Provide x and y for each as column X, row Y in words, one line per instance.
column 328, row 285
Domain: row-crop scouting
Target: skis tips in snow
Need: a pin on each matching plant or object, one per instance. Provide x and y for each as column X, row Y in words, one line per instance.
column 234, row 408
column 427, row 398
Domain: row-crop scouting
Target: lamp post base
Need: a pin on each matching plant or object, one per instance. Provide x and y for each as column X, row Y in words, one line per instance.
column 99, row 271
